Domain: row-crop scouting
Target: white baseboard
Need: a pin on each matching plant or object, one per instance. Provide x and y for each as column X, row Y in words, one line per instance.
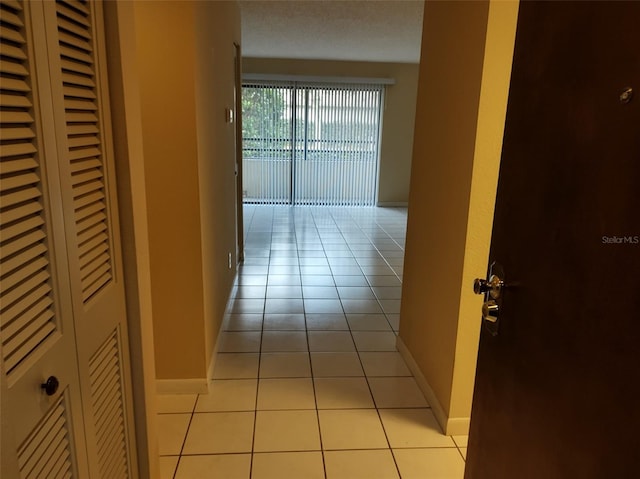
column 456, row 426
column 182, row 386
column 391, row 204
column 216, row 347
column 195, row 385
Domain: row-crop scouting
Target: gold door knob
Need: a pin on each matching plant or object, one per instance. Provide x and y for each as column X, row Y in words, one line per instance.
column 493, row 286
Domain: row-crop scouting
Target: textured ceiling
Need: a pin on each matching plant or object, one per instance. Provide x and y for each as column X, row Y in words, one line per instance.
column 365, row 30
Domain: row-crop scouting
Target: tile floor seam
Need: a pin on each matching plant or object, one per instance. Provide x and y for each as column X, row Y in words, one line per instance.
column 184, row 441
column 386, row 435
column 313, row 383
column 317, row 411
column 255, row 403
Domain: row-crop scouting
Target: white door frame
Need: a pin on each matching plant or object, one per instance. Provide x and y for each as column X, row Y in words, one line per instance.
column 127, row 139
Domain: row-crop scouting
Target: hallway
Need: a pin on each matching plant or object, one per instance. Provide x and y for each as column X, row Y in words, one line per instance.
column 308, row 383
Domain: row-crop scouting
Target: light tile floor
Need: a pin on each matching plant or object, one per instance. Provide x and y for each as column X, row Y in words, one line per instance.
column 308, row 382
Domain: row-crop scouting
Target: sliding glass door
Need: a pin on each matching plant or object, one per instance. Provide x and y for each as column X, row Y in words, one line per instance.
column 311, row 144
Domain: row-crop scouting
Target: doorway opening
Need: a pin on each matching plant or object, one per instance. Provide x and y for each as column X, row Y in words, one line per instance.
column 311, row 143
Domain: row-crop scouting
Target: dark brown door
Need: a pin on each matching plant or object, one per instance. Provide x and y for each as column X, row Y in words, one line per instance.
column 557, row 390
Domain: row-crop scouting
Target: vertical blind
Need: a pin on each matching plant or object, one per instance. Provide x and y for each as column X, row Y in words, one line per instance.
column 311, row 143
column 267, row 129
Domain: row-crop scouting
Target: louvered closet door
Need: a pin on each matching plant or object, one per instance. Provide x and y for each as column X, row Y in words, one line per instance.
column 62, row 299
column 42, row 436
column 75, row 36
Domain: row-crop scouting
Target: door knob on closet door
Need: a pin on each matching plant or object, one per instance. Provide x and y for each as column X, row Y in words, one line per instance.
column 51, row 385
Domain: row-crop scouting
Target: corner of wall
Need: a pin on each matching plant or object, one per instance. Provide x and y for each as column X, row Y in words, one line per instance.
column 441, row 179
column 451, row 426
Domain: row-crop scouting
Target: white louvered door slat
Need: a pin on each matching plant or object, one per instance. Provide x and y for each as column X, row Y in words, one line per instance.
column 48, row 448
column 17, row 149
column 38, row 306
column 108, row 407
column 13, row 164
column 30, row 253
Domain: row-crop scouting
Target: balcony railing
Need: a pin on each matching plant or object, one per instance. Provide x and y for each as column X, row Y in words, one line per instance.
column 326, row 172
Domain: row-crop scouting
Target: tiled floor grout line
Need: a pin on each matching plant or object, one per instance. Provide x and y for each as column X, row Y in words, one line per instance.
column 255, row 404
column 186, row 434
column 313, row 382
column 308, row 348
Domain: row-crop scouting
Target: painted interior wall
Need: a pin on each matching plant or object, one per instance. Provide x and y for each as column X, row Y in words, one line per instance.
column 217, row 29
column 398, row 118
column 185, row 76
column 167, row 94
column 460, row 116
